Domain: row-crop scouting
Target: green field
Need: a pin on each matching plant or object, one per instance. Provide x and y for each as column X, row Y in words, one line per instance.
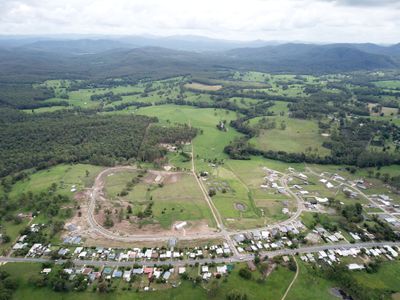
column 389, row 84
column 385, row 279
column 63, row 175
column 210, row 142
column 298, row 136
column 272, row 289
column 180, row 200
column 310, row 287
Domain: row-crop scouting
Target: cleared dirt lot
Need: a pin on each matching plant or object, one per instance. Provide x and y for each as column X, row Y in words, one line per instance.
column 202, row 87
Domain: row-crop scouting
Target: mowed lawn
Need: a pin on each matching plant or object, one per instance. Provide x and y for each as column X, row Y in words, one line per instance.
column 298, row 136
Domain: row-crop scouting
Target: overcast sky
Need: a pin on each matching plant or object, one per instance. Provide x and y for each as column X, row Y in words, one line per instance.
column 288, row 20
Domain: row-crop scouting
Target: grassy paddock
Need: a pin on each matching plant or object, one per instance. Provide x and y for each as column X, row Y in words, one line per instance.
column 63, row 175
column 297, row 137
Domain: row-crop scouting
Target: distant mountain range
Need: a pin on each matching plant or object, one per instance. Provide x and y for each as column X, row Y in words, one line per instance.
column 39, row 58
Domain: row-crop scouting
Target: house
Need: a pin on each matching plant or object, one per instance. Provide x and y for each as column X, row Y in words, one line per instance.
column 333, row 238
column 157, row 273
column 303, row 176
column 329, row 185
column 180, row 225
column 148, row 271
column 78, row 250
column 46, row 271
column 355, row 236
column 107, row 271
column 265, row 234
column 181, row 270
column 117, row 274
column 251, row 266
column 95, row 275
column 353, row 267
column 63, row 251
column 138, row 271
column 167, row 275
column 204, row 269
column 68, row 271
column 19, row 246
column 322, row 200
column 338, row 177
column 22, row 238
column 221, row 269
column 86, row 271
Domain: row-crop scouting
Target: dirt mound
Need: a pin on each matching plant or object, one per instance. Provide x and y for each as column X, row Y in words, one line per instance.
column 240, row 207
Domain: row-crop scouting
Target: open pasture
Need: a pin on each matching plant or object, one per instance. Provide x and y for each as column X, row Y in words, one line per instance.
column 297, row 136
column 388, row 84
column 65, row 176
column 210, row 142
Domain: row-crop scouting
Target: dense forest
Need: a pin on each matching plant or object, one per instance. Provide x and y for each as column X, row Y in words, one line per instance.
column 47, row 139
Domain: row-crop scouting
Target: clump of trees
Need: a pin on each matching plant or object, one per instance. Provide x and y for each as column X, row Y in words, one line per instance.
column 7, row 285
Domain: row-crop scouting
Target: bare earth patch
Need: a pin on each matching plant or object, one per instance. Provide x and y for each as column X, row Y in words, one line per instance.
column 204, row 87
column 240, row 207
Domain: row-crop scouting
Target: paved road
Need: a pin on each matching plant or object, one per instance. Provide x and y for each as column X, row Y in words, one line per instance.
column 246, row 257
column 96, row 192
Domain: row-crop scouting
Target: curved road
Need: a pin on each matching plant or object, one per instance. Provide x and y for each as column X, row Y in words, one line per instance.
column 96, row 193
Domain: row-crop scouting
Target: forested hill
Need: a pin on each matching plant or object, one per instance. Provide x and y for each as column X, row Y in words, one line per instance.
column 83, row 59
column 311, row 58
